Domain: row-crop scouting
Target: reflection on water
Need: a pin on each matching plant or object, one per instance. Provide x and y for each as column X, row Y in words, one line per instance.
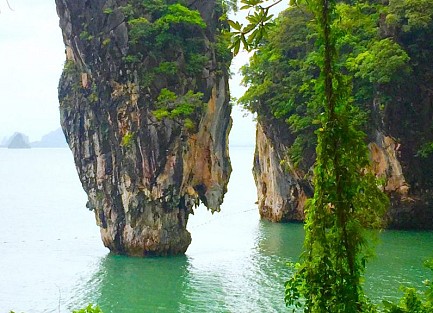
column 249, row 278
column 245, row 279
column 52, row 259
column 125, row 284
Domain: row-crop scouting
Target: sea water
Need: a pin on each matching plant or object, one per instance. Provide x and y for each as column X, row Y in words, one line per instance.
column 52, row 259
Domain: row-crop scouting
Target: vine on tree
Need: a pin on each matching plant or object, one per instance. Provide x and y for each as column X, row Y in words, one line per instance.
column 347, row 198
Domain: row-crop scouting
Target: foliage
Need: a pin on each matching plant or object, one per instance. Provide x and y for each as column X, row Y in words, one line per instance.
column 281, row 80
column 223, row 54
column 195, row 63
column 412, row 22
column 281, row 77
column 131, row 58
column 383, row 61
column 179, row 108
column 106, row 42
column 259, row 21
column 410, row 15
column 108, row 11
column 228, row 6
column 85, row 35
column 425, row 150
column 127, row 139
column 70, row 68
column 166, row 42
column 414, row 301
column 89, row 309
column 283, row 83
column 167, row 50
column 179, row 14
column 347, row 198
column 167, row 68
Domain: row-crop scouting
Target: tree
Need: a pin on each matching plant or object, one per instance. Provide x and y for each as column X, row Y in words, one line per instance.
column 347, row 197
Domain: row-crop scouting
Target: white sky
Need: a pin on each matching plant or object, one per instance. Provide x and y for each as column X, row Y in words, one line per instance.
column 31, row 61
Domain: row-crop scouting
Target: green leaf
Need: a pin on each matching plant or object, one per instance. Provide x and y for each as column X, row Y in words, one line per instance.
column 236, row 45
column 235, row 25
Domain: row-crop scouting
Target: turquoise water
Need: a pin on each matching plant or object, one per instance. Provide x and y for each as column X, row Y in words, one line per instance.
column 52, row 259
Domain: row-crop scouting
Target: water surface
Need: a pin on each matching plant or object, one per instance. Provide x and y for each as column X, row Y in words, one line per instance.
column 52, row 259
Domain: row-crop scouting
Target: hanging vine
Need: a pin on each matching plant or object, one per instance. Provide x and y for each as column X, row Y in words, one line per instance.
column 347, row 198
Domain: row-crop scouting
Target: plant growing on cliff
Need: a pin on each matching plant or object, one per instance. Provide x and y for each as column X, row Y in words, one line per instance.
column 169, row 54
column 127, row 139
column 347, row 198
column 166, row 34
column 179, row 108
column 282, row 74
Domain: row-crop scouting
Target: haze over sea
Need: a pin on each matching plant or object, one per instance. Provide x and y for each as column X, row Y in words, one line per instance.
column 52, row 259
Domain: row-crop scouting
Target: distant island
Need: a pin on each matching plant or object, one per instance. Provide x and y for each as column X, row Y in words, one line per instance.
column 18, row 141
column 54, row 139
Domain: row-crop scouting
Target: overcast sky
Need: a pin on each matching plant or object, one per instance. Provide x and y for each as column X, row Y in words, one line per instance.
column 31, row 61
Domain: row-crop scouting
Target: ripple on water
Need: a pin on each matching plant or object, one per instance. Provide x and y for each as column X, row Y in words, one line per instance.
column 236, row 263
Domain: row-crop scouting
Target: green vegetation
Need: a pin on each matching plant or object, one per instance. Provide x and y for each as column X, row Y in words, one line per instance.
column 413, row 300
column 106, row 42
column 85, row 35
column 282, row 74
column 89, row 309
column 347, row 197
column 169, row 53
column 302, row 74
column 70, row 67
column 168, row 36
column 108, row 11
column 425, row 150
column 127, row 139
column 179, row 108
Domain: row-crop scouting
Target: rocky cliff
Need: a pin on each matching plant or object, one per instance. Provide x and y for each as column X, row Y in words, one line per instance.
column 395, row 96
column 144, row 107
column 283, row 189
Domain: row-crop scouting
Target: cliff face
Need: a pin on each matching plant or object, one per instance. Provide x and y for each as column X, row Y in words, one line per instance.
column 147, row 119
column 282, row 191
column 395, row 136
column 386, row 56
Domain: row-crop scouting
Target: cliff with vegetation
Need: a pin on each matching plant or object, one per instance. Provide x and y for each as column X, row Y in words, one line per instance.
column 144, row 104
column 384, row 50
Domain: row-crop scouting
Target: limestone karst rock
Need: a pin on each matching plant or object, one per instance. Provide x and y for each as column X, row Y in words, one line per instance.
column 144, row 105
column 282, row 190
column 399, row 116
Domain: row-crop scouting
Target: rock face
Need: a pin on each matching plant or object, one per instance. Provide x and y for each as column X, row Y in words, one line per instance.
column 283, row 190
column 399, row 114
column 144, row 107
